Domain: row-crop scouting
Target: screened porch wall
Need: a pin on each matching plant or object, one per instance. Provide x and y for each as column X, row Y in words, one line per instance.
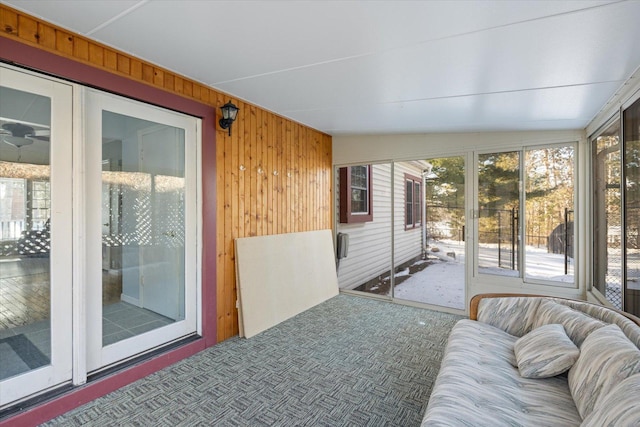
column 359, row 149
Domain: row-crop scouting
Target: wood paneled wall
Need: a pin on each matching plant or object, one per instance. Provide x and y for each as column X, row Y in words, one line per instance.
column 273, row 175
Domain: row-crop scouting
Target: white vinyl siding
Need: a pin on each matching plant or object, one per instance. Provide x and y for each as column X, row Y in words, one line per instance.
column 370, row 243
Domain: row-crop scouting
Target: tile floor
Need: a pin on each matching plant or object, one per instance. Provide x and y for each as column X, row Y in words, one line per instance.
column 122, row 320
column 24, row 309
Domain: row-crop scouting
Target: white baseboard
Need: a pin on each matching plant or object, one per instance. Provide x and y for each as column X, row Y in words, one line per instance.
column 130, row 300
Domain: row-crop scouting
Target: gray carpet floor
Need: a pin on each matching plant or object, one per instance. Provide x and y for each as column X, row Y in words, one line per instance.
column 350, row 361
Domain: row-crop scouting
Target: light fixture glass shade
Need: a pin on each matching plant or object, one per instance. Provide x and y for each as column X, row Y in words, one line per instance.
column 229, row 111
column 16, row 141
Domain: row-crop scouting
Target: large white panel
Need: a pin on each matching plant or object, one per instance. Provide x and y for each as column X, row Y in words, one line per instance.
column 282, row 275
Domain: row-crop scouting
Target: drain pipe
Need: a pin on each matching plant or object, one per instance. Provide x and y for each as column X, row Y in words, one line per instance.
column 423, row 221
column 427, row 174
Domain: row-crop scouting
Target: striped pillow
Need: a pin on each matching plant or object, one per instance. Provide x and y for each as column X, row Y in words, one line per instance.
column 606, row 358
column 545, row 352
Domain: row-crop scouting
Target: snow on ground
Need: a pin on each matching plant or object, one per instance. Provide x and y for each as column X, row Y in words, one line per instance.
column 540, row 264
column 442, row 282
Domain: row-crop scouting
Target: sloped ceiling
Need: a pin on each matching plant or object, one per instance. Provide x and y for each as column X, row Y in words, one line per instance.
column 380, row 67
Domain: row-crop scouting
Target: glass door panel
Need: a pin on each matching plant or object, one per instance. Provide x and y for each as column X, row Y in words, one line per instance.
column 499, row 207
column 607, row 214
column 35, row 228
column 631, row 139
column 549, row 201
column 364, row 196
column 140, row 246
column 429, row 243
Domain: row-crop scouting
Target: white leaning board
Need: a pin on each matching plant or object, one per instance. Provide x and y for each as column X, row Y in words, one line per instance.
column 282, row 275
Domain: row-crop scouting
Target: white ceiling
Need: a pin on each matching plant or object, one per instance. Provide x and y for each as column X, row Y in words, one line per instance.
column 368, row 67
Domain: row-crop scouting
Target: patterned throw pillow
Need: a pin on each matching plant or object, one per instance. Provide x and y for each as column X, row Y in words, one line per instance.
column 607, row 357
column 545, row 352
column 619, row 408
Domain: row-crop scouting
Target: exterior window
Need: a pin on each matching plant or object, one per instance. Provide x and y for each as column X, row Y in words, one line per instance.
column 413, row 202
column 631, row 212
column 355, row 194
column 607, row 214
column 526, row 214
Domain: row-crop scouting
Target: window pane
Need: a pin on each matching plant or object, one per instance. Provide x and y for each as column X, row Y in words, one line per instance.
column 499, row 205
column 429, row 258
column 549, row 178
column 359, row 177
column 417, row 203
column 607, row 230
column 631, row 120
column 408, row 195
column 358, row 201
column 143, row 226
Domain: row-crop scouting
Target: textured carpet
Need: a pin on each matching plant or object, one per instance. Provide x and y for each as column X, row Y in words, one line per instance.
column 350, row 361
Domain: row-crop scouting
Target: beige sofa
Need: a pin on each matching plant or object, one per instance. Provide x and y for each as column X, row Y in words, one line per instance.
column 538, row 361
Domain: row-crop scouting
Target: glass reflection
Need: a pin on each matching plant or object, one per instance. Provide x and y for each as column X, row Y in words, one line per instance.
column 143, row 231
column 498, row 222
column 25, row 200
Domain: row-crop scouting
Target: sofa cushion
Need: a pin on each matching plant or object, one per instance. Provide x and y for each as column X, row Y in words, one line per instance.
column 515, row 315
column 619, row 408
column 545, row 352
column 577, row 324
column 478, row 386
column 606, row 358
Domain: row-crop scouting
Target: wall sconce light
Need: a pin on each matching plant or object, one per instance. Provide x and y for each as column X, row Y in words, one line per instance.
column 229, row 113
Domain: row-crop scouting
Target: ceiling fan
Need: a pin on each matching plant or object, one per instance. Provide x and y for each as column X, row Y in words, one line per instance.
column 18, row 135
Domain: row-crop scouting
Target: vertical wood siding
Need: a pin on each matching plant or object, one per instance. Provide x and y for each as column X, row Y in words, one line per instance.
column 273, row 175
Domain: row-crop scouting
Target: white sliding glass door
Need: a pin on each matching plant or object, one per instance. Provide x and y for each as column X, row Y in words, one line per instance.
column 141, row 212
column 525, row 215
column 35, row 230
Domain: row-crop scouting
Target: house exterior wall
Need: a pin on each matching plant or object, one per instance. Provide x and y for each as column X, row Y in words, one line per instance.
column 370, row 242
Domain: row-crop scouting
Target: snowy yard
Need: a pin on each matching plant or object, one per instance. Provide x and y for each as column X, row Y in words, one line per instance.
column 442, row 281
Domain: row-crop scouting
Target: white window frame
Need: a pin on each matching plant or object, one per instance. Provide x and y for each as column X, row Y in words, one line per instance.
column 521, row 281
